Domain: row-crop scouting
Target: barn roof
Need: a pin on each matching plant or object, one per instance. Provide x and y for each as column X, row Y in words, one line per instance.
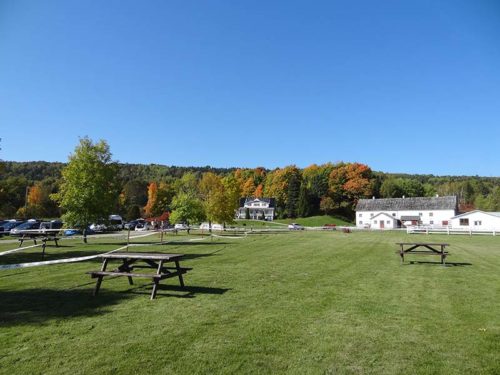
column 408, row 204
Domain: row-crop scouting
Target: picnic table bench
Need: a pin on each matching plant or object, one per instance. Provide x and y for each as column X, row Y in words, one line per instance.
column 407, row 248
column 151, row 260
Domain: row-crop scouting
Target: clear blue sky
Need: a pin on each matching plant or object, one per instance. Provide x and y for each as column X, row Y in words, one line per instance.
column 403, row 86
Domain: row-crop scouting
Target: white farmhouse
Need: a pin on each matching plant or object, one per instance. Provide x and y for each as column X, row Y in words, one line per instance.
column 256, row 207
column 390, row 213
column 477, row 221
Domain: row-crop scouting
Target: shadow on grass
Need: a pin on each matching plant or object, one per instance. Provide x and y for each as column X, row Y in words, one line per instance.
column 35, row 306
column 165, row 290
column 447, row 264
column 50, row 254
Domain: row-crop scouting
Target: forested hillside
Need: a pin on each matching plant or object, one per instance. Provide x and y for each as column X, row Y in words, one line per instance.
column 148, row 190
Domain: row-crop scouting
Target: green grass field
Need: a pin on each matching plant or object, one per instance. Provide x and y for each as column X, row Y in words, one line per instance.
column 299, row 302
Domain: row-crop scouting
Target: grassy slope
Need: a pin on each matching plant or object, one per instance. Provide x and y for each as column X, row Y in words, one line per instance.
column 298, row 302
column 317, row 221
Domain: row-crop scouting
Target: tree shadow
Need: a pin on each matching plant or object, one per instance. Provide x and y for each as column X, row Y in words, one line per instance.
column 36, row 306
column 447, row 264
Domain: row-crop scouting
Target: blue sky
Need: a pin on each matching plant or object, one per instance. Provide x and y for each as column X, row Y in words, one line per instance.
column 403, row 86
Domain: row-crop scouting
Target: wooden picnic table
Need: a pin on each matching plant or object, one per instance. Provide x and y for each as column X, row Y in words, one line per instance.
column 431, row 249
column 154, row 261
column 41, row 235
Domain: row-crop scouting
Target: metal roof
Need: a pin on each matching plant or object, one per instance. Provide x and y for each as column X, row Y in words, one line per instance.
column 408, row 204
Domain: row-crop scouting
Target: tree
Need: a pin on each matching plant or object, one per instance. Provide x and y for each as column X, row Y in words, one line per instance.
column 293, row 195
column 152, row 199
column 259, row 191
column 220, row 197
column 187, row 209
column 350, row 182
column 327, row 205
column 88, row 191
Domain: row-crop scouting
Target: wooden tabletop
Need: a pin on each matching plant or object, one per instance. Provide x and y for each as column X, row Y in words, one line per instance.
column 151, row 256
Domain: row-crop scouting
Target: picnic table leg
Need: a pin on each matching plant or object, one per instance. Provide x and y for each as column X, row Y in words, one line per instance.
column 125, row 267
column 99, row 278
column 43, row 249
column 156, row 281
column 34, row 240
column 55, row 240
column 179, row 271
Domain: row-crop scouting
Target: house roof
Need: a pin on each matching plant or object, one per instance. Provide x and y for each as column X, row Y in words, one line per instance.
column 271, row 201
column 408, row 204
column 497, row 214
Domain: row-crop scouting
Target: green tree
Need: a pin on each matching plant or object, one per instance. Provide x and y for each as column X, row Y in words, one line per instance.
column 88, row 191
column 187, row 208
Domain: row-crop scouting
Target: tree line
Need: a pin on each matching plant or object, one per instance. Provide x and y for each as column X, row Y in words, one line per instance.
column 193, row 194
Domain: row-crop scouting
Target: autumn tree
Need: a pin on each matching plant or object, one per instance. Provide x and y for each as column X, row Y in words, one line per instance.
column 152, row 199
column 350, row 182
column 89, row 190
column 220, row 197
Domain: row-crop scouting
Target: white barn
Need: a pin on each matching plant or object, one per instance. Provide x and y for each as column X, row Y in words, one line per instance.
column 477, row 221
column 390, row 213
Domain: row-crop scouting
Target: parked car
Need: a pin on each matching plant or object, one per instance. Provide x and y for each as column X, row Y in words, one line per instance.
column 74, row 232
column 295, row 226
column 31, row 224
column 115, row 222
column 7, row 225
column 181, row 226
column 133, row 223
column 53, row 224
column 143, row 226
column 215, row 226
column 98, row 228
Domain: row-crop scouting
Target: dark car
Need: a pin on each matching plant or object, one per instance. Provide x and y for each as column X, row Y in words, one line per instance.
column 133, row 223
column 7, row 225
column 27, row 225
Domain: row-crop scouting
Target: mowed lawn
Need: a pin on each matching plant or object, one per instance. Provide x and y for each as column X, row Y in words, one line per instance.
column 300, row 302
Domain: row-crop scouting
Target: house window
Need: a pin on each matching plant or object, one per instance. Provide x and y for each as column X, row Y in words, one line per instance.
column 431, row 222
column 361, row 221
column 394, row 214
column 431, row 213
column 464, row 222
column 388, row 221
column 371, row 215
column 420, row 214
column 478, row 222
column 375, row 222
column 360, row 215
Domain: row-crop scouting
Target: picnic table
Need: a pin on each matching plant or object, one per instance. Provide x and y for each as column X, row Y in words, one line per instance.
column 154, row 261
column 41, row 235
column 407, row 248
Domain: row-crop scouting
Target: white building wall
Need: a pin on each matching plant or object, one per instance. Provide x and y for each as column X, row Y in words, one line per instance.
column 427, row 217
column 478, row 220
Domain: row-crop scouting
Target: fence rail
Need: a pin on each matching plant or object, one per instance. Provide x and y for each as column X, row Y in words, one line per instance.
column 448, row 230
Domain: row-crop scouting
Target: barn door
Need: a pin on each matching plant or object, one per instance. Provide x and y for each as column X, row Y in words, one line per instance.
column 381, row 224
